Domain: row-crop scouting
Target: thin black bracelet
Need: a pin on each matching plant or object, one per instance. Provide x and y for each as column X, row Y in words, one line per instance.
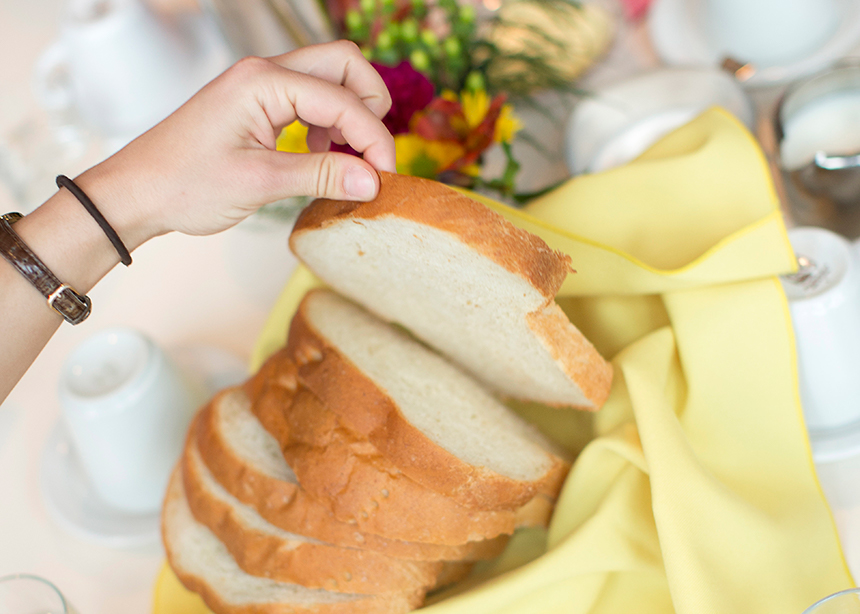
column 65, row 182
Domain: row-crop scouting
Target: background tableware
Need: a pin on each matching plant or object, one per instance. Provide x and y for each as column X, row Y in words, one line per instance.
column 32, row 152
column 824, row 300
column 28, row 594
column 845, row 602
column 127, row 407
column 678, row 30
column 123, row 68
column 72, row 502
column 616, row 123
column 836, row 453
column 769, row 32
column 67, row 490
column 817, row 129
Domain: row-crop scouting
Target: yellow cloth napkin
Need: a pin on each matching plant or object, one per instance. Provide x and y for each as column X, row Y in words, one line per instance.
column 695, row 490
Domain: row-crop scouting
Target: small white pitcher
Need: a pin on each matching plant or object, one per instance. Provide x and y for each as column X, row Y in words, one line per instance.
column 121, row 66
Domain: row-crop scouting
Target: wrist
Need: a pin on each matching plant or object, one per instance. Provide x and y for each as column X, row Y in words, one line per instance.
column 69, row 242
column 120, row 197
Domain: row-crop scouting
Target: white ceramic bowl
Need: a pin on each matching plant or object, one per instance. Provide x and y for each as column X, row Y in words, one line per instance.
column 616, row 123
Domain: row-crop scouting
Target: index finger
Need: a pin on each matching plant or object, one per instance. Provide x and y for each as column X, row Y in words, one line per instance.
column 289, row 95
column 341, row 63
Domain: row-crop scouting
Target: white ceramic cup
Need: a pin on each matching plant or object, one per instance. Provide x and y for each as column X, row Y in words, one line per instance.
column 769, row 32
column 127, row 408
column 119, row 65
column 824, row 301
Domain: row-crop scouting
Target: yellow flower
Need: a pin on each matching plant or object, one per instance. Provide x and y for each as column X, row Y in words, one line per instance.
column 422, row 158
column 449, row 95
column 475, row 106
column 507, row 125
column 293, row 138
column 473, row 170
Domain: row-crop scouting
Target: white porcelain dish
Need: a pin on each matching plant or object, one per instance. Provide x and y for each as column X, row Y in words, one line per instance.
column 67, row 491
column 677, row 32
column 73, row 503
column 617, row 122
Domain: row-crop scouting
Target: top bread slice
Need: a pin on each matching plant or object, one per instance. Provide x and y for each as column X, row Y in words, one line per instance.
column 462, row 279
column 246, row 460
column 203, row 565
column 433, row 422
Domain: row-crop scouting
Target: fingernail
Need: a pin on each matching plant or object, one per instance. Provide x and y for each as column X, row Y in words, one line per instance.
column 358, row 184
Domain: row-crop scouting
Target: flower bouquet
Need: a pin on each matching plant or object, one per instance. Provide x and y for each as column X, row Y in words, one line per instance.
column 454, row 70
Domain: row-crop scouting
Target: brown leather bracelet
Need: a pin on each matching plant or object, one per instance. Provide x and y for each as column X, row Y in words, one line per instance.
column 61, row 297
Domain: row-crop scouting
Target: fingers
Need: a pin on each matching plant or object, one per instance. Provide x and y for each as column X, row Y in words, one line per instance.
column 324, row 175
column 277, row 96
column 318, row 139
column 341, row 63
column 336, row 108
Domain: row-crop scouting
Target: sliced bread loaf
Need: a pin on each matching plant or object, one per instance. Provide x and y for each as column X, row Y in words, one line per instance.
column 431, row 420
column 247, row 460
column 358, row 484
column 203, row 564
column 461, row 278
column 261, row 549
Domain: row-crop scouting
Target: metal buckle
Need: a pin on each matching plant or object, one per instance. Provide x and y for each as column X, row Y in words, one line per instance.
column 83, row 301
column 11, row 217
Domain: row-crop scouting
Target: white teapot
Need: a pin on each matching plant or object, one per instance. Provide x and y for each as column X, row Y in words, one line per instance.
column 123, row 68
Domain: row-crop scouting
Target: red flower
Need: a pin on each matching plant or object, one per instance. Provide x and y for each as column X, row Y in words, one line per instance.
column 410, row 92
column 445, row 120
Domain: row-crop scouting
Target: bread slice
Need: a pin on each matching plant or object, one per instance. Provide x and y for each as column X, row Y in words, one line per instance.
column 358, row 483
column 261, row 549
column 431, row 420
column 247, row 461
column 461, row 278
column 203, row 565
column 297, row 419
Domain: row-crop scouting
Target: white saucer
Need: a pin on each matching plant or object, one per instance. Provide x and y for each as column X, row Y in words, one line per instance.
column 835, row 445
column 68, row 493
column 678, row 36
column 73, row 503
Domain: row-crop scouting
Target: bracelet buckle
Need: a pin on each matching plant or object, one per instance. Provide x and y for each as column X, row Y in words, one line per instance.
column 68, row 295
column 61, row 297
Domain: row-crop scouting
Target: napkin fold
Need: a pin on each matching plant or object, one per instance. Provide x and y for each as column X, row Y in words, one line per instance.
column 694, row 490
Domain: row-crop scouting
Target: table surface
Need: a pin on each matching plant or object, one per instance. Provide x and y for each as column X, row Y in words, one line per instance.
column 214, row 291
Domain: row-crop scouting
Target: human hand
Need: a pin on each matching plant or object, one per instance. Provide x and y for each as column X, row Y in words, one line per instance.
column 213, row 162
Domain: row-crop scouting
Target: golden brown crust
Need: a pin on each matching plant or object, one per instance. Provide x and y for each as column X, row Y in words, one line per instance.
column 364, row 408
column 578, row 358
column 312, row 564
column 518, row 251
column 357, row 483
column 289, row 507
column 437, row 205
column 391, row 603
column 350, row 473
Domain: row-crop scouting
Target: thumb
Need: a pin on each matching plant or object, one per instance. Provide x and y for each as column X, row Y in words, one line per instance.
column 332, row 175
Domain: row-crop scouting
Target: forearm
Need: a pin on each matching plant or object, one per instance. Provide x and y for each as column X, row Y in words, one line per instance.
column 202, row 170
column 72, row 245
